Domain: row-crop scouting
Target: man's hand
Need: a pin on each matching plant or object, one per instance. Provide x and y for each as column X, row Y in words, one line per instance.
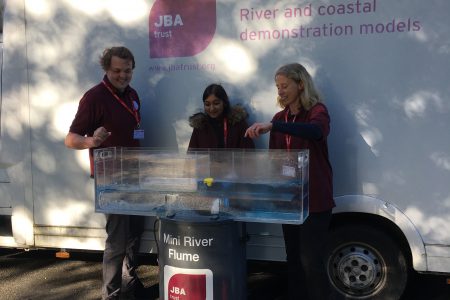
column 76, row 141
column 100, row 135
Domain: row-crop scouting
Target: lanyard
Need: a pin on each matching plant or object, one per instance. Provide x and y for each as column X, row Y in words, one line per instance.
column 225, row 132
column 286, row 136
column 133, row 112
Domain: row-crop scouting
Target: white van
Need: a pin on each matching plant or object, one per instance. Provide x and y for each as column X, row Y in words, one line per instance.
column 382, row 67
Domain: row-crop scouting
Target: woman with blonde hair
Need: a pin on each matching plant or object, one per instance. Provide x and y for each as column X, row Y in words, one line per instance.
column 304, row 123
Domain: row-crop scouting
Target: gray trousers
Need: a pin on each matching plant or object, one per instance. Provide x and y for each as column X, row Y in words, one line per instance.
column 120, row 255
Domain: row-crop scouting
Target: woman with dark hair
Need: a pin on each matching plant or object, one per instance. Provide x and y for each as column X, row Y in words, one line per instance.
column 220, row 125
column 304, row 123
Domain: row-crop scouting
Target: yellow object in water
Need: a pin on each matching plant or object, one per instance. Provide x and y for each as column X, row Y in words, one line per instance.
column 208, row 181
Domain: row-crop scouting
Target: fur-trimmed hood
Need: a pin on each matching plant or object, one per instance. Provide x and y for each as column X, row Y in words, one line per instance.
column 237, row 113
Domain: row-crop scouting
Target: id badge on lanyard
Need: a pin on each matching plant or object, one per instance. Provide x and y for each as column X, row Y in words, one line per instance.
column 138, row 134
column 289, row 168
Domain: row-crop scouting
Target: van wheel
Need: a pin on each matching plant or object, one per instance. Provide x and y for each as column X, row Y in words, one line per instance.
column 365, row 263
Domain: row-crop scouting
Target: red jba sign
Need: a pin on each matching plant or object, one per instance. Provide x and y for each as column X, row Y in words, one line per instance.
column 187, row 284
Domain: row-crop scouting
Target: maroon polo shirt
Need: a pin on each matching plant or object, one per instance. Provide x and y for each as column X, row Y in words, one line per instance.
column 99, row 107
column 320, row 172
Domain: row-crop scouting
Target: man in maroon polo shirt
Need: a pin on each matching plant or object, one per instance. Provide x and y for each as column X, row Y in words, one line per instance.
column 108, row 115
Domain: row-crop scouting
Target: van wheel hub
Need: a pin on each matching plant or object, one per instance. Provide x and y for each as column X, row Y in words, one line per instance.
column 356, row 268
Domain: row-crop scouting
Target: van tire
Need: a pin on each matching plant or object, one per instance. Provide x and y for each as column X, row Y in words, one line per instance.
column 364, row 262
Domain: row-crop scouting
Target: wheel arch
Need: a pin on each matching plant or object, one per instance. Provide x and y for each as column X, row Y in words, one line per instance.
column 360, row 209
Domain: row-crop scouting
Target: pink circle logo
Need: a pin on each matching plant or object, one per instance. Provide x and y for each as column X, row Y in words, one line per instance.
column 181, row 28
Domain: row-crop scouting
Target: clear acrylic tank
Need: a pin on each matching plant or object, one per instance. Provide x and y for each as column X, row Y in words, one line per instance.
column 267, row 186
